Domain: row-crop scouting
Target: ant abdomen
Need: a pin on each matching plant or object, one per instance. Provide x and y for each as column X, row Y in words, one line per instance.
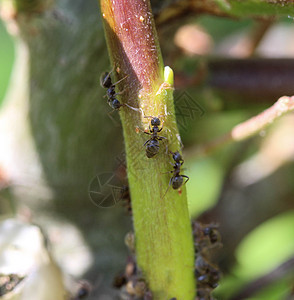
column 177, row 182
column 177, row 179
column 105, row 80
column 152, row 148
column 152, row 145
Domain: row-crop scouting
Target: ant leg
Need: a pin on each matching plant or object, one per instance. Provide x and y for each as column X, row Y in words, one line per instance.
column 169, row 184
column 119, row 93
column 133, row 108
column 149, row 117
column 112, row 70
column 112, row 119
column 186, row 179
column 119, row 80
column 109, row 73
column 172, row 153
column 167, row 172
column 146, row 141
column 161, row 138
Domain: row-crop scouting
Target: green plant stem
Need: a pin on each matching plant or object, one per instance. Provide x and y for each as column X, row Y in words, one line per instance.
column 164, row 245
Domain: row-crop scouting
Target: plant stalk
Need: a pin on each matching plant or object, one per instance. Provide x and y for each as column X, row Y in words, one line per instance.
column 164, row 244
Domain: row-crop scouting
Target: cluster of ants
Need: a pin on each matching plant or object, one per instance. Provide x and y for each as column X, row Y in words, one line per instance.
column 152, row 145
column 206, row 238
column 131, row 283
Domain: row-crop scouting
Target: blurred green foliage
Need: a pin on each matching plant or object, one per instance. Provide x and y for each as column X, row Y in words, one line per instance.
column 276, row 235
column 260, row 252
column 6, row 60
column 202, row 194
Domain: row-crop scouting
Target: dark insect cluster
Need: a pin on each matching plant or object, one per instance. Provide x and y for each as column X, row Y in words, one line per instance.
column 206, row 238
column 152, row 145
column 131, row 283
column 125, row 198
column 106, row 82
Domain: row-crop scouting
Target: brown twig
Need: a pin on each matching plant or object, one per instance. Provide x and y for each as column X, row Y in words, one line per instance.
column 250, row 127
column 247, row 45
column 252, row 77
column 258, row 80
column 257, row 34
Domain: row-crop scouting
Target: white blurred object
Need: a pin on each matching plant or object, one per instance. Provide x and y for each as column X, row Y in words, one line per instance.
column 277, row 149
column 193, row 40
column 23, row 253
column 69, row 248
column 277, row 42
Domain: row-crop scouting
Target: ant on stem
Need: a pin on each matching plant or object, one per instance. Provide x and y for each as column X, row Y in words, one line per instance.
column 114, row 103
column 177, row 180
column 152, row 145
column 106, row 82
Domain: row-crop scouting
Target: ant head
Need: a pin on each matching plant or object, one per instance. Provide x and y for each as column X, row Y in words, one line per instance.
column 177, row 156
column 155, row 121
column 105, row 80
column 115, row 104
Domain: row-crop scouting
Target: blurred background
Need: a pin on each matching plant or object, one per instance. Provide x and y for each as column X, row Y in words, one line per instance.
column 57, row 144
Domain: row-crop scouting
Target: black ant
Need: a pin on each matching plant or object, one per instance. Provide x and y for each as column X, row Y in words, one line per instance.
column 177, row 179
column 152, row 145
column 113, row 102
column 106, row 82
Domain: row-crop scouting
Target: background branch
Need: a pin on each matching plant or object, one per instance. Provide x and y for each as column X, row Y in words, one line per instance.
column 248, row 128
